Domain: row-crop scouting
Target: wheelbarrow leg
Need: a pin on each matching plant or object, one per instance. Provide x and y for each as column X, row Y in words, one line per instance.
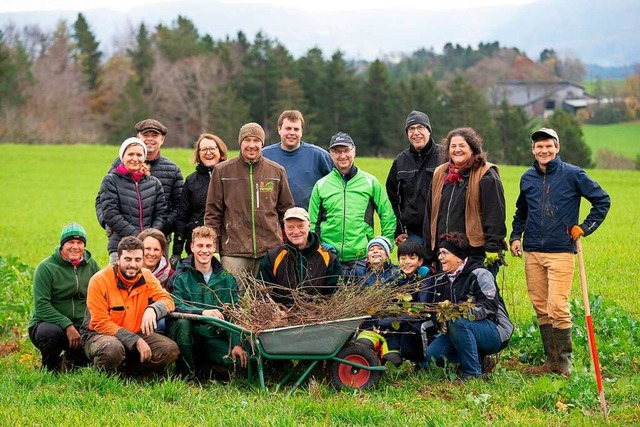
column 304, row 376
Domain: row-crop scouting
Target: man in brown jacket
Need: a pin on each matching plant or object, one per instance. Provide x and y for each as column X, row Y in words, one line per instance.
column 248, row 196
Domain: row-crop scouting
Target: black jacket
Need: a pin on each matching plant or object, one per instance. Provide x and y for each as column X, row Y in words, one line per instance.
column 190, row 213
column 171, row 179
column 478, row 284
column 129, row 208
column 408, row 186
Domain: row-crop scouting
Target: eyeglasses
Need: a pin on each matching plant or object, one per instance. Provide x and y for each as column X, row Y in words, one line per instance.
column 339, row 152
column 416, row 128
column 443, row 253
column 209, row 150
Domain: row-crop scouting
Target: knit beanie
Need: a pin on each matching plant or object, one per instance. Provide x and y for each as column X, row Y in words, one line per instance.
column 131, row 141
column 461, row 253
column 71, row 231
column 251, row 129
column 417, row 118
column 381, row 241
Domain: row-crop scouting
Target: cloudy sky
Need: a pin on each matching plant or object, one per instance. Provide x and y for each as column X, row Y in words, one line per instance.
column 124, row 5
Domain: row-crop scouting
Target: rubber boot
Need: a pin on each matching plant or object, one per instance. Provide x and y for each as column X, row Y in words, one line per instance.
column 548, row 343
column 562, row 339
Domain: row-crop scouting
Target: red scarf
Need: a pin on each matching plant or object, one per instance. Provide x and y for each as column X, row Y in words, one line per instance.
column 136, row 176
column 454, row 173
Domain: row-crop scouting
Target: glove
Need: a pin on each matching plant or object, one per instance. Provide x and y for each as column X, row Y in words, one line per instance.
column 329, row 248
column 491, row 259
column 174, row 260
column 576, row 232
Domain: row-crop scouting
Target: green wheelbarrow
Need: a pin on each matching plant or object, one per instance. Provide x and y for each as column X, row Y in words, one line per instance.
column 350, row 364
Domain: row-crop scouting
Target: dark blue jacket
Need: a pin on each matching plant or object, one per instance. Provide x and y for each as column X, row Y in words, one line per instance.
column 363, row 274
column 549, row 205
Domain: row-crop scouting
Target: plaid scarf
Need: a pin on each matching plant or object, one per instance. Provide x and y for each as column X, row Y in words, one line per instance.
column 454, row 173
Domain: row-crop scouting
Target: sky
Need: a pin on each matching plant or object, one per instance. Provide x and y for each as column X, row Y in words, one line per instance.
column 124, row 5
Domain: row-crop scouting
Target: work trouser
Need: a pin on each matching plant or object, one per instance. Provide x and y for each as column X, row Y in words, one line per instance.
column 549, row 278
column 200, row 344
column 52, row 341
column 240, row 267
column 108, row 352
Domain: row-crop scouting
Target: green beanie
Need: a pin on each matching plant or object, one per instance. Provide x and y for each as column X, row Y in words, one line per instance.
column 71, row 231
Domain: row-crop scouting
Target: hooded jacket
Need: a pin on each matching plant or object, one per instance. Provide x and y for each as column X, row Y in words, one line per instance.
column 246, row 202
column 60, row 290
column 549, row 205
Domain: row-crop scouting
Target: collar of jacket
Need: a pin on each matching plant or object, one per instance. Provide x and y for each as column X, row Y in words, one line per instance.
column 57, row 256
column 425, row 151
column 312, row 244
column 551, row 166
column 189, row 263
column 200, row 168
column 246, row 162
column 352, row 172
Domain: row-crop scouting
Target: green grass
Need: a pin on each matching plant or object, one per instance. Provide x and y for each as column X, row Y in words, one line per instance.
column 45, row 187
column 622, row 139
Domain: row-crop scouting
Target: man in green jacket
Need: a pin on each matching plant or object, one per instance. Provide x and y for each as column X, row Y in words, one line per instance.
column 202, row 286
column 60, row 298
column 343, row 202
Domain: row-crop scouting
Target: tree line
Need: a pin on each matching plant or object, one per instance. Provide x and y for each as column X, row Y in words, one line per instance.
column 61, row 88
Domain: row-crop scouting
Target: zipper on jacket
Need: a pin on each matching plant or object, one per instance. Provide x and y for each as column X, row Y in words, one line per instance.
column 543, row 207
column 254, row 202
column 139, row 205
column 446, row 225
column 344, row 214
column 73, row 302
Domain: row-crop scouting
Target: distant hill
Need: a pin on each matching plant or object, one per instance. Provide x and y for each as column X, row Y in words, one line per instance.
column 596, row 32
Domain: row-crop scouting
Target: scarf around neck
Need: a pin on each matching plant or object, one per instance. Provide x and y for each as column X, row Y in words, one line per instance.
column 136, row 176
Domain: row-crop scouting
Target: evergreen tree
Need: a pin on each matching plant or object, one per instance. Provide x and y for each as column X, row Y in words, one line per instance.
column 380, row 105
column 421, row 93
column 469, row 108
column 130, row 108
column 181, row 40
column 86, row 51
column 266, row 62
column 515, row 127
column 289, row 96
column 342, row 101
column 142, row 59
column 573, row 148
column 311, row 69
column 230, row 113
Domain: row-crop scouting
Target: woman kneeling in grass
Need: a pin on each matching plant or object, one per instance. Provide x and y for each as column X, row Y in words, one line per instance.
column 488, row 329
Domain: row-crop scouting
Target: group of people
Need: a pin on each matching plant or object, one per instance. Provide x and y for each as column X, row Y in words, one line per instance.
column 302, row 219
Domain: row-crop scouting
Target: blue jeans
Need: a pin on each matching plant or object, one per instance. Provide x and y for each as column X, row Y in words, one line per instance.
column 464, row 343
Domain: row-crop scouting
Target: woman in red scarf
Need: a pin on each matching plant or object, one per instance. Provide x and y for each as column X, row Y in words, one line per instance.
column 467, row 197
column 131, row 199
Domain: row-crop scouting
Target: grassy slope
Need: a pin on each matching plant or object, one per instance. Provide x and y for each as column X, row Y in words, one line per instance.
column 622, row 139
column 45, row 188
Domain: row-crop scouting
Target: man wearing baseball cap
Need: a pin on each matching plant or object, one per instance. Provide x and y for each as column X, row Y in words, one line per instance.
column 247, row 198
column 301, row 263
column 342, row 204
column 410, row 176
column 60, row 299
column 546, row 220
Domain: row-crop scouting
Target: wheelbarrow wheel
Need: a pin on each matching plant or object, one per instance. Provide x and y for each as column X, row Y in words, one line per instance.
column 343, row 375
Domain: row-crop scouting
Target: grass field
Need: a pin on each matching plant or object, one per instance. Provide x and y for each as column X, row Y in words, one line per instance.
column 622, row 139
column 45, row 187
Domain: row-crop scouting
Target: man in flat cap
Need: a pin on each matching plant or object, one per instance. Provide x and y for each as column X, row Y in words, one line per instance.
column 546, row 218
column 153, row 134
column 248, row 196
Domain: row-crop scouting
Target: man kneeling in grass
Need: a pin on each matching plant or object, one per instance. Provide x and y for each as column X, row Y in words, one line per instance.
column 202, row 286
column 124, row 303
